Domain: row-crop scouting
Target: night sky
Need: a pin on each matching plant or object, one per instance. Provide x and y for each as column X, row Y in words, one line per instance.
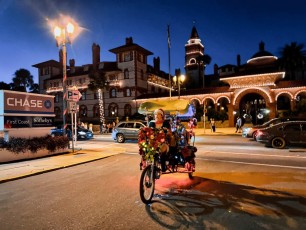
column 226, row 28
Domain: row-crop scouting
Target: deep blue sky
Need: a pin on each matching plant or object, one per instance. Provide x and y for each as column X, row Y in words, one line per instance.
column 226, row 28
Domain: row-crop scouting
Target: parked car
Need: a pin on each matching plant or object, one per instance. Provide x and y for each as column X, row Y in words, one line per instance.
column 127, row 130
column 251, row 132
column 283, row 134
column 82, row 133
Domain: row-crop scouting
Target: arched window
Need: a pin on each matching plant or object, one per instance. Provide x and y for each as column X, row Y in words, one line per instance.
column 126, row 74
column 96, row 95
column 83, row 111
column 192, row 61
column 113, row 110
column 83, row 95
column 96, row 110
column 127, row 110
column 113, row 92
column 128, row 92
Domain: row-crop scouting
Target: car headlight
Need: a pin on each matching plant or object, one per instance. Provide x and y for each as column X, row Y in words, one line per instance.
column 81, row 133
column 246, row 129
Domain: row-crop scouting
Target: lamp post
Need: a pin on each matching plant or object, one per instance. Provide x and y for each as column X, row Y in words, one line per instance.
column 178, row 81
column 64, row 30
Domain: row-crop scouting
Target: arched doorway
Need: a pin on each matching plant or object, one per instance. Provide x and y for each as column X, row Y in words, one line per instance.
column 283, row 105
column 252, row 108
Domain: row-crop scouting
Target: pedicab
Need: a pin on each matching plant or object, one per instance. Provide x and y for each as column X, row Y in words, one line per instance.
column 163, row 150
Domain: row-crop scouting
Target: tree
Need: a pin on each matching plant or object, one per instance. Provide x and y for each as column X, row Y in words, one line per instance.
column 293, row 58
column 203, row 61
column 5, row 86
column 98, row 84
column 22, row 80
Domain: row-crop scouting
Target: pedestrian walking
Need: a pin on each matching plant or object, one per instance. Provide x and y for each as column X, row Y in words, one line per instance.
column 238, row 124
column 213, row 125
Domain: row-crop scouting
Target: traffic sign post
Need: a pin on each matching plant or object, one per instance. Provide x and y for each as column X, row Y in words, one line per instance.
column 73, row 107
column 74, row 95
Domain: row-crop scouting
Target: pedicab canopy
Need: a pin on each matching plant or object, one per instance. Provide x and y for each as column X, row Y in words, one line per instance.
column 170, row 106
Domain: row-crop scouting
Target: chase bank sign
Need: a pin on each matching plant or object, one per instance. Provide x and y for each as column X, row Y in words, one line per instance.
column 25, row 110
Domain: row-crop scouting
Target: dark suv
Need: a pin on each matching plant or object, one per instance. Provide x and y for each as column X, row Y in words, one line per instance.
column 283, row 134
column 127, row 130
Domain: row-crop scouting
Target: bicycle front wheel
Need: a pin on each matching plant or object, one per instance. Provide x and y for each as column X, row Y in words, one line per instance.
column 147, row 184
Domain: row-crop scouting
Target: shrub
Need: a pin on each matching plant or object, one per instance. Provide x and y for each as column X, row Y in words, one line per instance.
column 56, row 143
column 21, row 145
column 35, row 144
column 17, row 145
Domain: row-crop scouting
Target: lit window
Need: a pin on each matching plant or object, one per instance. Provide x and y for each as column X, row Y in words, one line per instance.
column 128, row 92
column 126, row 74
column 113, row 93
column 127, row 56
column 83, row 95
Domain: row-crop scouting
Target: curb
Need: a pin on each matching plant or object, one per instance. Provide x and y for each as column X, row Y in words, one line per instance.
column 52, row 169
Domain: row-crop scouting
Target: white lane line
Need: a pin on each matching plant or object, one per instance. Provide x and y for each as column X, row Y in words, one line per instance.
column 255, row 154
column 258, row 164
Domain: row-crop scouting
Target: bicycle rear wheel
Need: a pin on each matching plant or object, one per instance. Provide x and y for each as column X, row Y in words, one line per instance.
column 147, row 185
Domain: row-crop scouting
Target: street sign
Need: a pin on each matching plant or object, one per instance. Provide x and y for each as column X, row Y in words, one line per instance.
column 73, row 107
column 74, row 95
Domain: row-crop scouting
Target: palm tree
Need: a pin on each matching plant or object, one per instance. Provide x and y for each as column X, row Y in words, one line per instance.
column 98, row 84
column 22, row 80
column 203, row 61
column 293, row 59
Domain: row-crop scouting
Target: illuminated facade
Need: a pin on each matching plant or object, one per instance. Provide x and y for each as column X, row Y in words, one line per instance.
column 128, row 77
column 257, row 89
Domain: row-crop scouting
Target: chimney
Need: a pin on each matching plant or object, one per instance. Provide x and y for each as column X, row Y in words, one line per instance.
column 238, row 60
column 129, row 41
column 216, row 69
column 156, row 63
column 261, row 46
column 95, row 55
column 72, row 63
column 177, row 72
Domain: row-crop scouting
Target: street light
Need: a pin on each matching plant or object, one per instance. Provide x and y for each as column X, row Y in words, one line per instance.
column 64, row 32
column 178, row 81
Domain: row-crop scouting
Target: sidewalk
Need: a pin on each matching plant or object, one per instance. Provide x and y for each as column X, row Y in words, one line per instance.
column 21, row 169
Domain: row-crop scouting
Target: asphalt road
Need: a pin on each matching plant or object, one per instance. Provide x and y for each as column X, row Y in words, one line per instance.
column 233, row 189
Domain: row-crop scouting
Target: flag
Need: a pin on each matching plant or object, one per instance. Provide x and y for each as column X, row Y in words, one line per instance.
column 168, row 32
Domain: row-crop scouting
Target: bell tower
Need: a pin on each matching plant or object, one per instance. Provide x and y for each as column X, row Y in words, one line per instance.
column 193, row 51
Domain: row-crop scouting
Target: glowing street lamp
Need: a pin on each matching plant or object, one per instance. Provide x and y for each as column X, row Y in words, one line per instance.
column 65, row 30
column 178, row 81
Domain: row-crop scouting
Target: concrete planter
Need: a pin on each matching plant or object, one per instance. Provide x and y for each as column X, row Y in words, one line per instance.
column 7, row 156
